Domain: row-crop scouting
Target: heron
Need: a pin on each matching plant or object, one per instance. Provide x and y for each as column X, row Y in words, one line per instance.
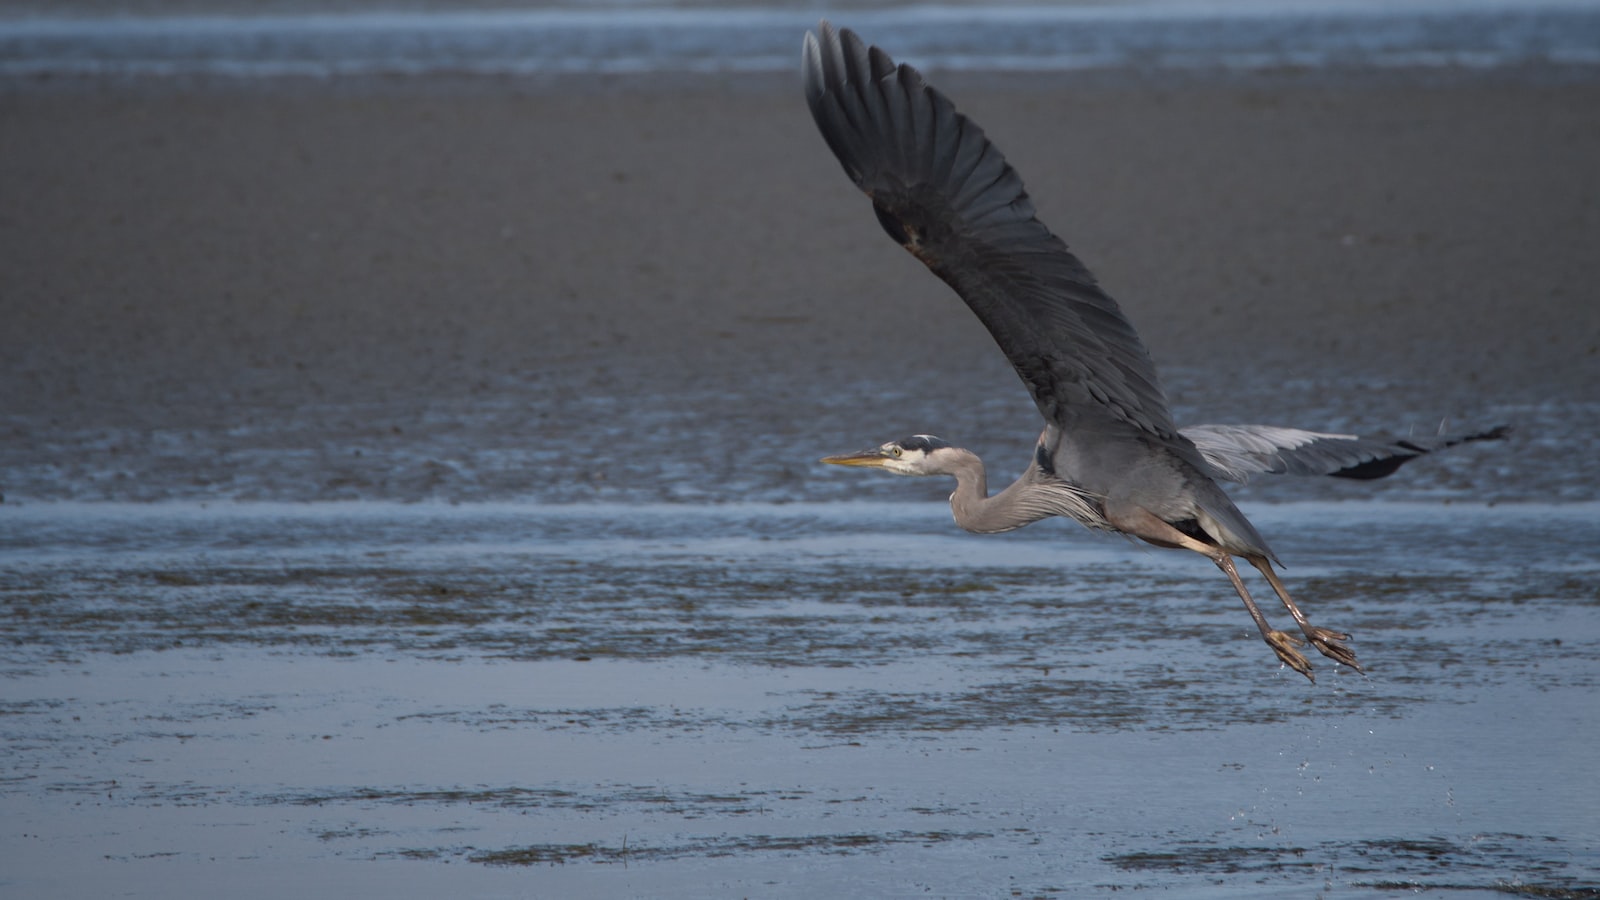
column 1110, row 456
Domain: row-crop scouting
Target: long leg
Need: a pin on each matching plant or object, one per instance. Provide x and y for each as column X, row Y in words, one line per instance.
column 1328, row 642
column 1282, row 643
column 1143, row 524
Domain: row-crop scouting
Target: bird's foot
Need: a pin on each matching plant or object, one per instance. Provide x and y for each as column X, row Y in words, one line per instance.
column 1331, row 644
column 1284, row 644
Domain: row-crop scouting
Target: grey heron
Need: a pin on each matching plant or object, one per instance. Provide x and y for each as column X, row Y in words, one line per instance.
column 1110, row 456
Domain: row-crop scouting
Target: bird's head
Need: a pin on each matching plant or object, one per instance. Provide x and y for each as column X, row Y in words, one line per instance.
column 920, row 454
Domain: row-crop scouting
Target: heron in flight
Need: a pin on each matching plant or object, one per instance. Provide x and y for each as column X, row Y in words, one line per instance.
column 1110, row 456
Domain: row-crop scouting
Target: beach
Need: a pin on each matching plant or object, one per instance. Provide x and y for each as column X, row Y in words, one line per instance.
column 1383, row 255
column 411, row 485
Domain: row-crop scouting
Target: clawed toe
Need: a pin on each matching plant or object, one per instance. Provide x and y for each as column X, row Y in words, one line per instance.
column 1328, row 643
column 1284, row 645
column 1331, row 644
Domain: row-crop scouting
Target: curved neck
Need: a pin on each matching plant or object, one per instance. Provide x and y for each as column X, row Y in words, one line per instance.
column 972, row 506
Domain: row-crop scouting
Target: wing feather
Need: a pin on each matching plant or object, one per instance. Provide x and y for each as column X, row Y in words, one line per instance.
column 1236, row 452
column 944, row 191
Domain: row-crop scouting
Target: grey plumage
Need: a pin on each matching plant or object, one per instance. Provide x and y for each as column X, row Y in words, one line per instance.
column 1110, row 455
column 941, row 189
column 1237, row 452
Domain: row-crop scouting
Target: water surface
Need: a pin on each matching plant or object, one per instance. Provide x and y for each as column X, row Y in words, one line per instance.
column 786, row 700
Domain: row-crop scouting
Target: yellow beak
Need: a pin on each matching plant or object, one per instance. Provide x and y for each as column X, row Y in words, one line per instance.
column 864, row 458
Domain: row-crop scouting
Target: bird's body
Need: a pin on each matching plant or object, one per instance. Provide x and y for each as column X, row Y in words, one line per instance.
column 1110, row 455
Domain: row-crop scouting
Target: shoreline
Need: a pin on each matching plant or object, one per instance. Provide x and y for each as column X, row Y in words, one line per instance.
column 762, row 81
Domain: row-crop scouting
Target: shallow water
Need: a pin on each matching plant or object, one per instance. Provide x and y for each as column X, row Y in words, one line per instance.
column 800, row 699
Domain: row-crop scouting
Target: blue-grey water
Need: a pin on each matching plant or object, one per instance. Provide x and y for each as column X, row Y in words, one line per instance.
column 786, row 700
column 650, row 38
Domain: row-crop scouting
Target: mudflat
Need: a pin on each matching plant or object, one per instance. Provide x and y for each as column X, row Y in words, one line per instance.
column 539, row 263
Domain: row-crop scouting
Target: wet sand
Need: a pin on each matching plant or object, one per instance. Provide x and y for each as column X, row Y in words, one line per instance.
column 272, row 281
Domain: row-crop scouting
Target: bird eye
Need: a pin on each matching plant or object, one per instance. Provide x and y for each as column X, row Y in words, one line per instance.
column 895, row 451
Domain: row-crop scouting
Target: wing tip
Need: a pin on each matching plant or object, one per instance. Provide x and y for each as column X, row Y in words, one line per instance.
column 811, row 77
column 827, row 53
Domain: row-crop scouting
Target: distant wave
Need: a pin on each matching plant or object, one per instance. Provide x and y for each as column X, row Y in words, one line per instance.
column 1159, row 35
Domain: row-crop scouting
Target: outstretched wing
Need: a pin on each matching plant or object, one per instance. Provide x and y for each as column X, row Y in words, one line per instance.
column 1236, row 452
column 942, row 190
